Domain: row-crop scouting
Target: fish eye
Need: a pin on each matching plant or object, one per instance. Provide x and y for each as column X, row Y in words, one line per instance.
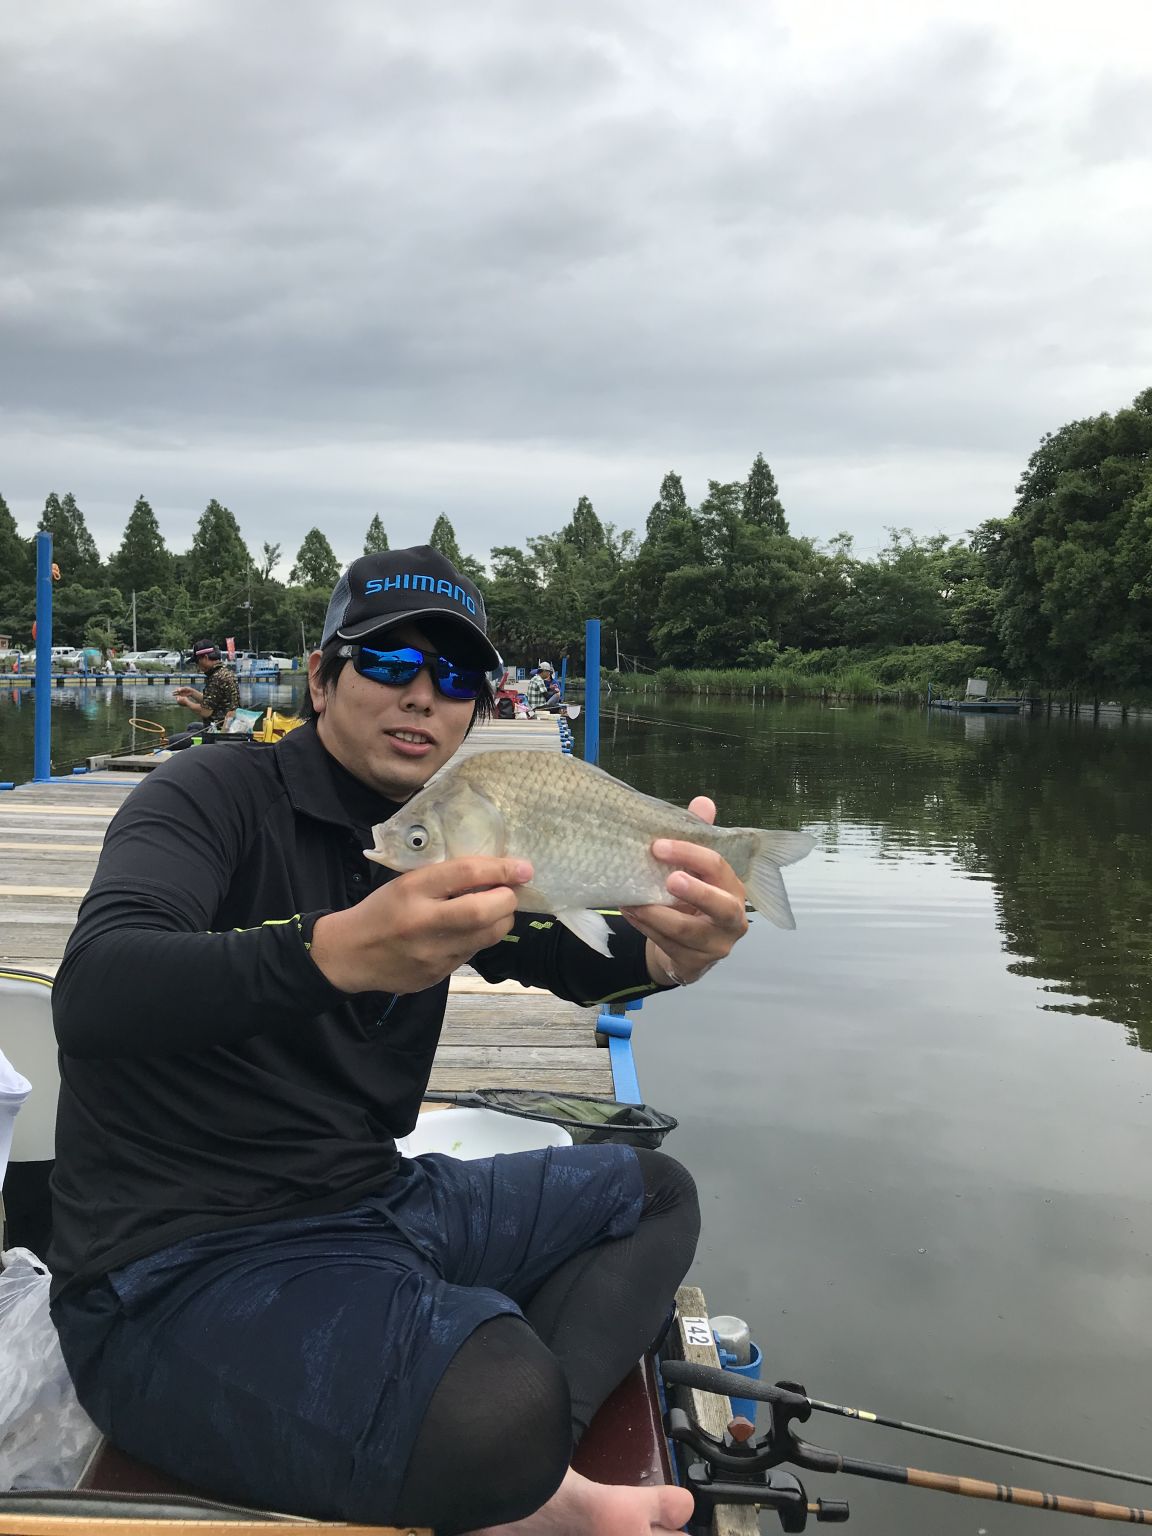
column 416, row 838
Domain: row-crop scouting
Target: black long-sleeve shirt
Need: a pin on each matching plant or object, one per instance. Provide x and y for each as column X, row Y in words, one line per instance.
column 211, row 1075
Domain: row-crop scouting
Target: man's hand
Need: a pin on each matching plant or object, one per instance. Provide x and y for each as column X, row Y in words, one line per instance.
column 707, row 918
column 418, row 928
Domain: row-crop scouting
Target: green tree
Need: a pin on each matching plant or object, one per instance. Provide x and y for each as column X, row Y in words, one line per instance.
column 16, row 573
column 721, row 520
column 316, row 564
column 673, row 540
column 584, row 532
column 903, row 596
column 303, row 607
column 164, row 616
column 760, row 499
column 269, row 560
column 670, row 506
column 142, row 560
column 443, row 540
column 73, row 547
column 74, row 607
column 1075, row 600
column 514, row 597
column 375, row 540
column 734, row 614
column 218, row 548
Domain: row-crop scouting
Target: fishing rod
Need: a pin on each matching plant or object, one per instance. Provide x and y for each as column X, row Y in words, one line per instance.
column 778, row 1394
column 738, row 1469
column 707, row 730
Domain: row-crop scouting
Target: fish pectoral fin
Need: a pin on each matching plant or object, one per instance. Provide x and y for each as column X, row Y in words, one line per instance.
column 589, row 926
column 472, row 824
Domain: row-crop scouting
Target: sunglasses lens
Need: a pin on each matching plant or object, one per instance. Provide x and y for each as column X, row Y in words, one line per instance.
column 458, row 682
column 398, row 668
column 392, row 667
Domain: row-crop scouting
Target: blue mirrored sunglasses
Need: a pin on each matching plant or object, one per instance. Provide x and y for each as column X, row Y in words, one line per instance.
column 397, row 668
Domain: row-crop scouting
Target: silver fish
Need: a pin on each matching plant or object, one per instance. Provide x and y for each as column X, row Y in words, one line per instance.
column 587, row 835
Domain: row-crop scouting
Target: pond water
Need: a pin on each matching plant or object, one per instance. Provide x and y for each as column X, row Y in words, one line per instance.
column 922, row 1123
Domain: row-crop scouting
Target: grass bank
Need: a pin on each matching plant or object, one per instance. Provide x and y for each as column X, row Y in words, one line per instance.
column 841, row 673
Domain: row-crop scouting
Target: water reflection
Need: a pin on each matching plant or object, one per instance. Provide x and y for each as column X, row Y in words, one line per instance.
column 1054, row 813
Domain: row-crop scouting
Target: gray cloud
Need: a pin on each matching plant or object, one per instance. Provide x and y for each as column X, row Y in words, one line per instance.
column 323, row 261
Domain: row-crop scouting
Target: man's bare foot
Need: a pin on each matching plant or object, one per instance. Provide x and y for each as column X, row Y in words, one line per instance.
column 583, row 1508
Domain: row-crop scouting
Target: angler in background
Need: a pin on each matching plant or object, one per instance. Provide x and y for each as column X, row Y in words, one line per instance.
column 254, row 1291
column 220, row 698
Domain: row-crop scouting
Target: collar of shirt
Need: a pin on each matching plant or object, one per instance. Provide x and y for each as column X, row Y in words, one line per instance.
column 319, row 786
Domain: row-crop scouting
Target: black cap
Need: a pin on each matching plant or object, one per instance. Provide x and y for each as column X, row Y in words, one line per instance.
column 207, row 648
column 378, row 591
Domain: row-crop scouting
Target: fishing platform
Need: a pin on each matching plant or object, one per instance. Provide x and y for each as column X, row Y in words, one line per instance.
column 494, row 1036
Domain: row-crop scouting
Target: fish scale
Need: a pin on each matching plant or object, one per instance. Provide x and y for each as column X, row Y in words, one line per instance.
column 588, row 836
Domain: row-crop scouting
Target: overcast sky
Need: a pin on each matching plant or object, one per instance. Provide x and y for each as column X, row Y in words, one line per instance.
column 327, row 259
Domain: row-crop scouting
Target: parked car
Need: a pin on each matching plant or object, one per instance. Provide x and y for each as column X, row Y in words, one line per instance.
column 160, row 657
column 248, row 663
column 61, row 654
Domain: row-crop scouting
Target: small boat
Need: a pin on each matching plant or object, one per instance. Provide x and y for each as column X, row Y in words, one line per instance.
column 976, row 701
column 980, row 706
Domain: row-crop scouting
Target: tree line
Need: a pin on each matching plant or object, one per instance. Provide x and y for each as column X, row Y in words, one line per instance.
column 1057, row 594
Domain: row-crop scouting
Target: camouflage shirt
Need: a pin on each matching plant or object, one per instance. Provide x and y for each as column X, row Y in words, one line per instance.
column 221, row 693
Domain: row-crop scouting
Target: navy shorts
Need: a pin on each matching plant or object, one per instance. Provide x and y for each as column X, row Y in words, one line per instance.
column 289, row 1365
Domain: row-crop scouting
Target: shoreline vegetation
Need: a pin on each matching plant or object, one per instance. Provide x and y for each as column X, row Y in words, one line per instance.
column 893, row 678
column 1051, row 602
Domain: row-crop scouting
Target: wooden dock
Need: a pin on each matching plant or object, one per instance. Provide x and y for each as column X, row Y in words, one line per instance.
column 506, row 1036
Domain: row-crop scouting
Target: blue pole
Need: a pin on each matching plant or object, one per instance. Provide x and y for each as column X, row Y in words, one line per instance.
column 42, row 726
column 592, row 690
column 563, row 674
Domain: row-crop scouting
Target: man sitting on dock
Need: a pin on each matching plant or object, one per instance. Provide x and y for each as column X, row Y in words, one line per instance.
column 220, row 698
column 537, row 694
column 254, row 1291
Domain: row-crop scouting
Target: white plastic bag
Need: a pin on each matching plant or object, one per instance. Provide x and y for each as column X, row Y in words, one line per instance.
column 45, row 1435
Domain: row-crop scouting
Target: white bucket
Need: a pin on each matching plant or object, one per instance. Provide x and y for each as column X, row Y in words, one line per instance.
column 479, row 1133
column 14, row 1089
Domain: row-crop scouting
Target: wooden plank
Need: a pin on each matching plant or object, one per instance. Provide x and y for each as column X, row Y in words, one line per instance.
column 20, row 1523
column 12, row 807
column 543, row 1005
column 466, row 980
column 451, row 1079
column 34, row 847
column 76, row 892
column 515, row 1033
column 711, row 1412
column 48, row 916
column 580, row 1058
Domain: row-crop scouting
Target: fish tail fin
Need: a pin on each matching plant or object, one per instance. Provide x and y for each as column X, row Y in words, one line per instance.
column 763, row 882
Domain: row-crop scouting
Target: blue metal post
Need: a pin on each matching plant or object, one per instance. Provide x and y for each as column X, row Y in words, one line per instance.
column 592, row 690
column 42, row 726
column 563, row 674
